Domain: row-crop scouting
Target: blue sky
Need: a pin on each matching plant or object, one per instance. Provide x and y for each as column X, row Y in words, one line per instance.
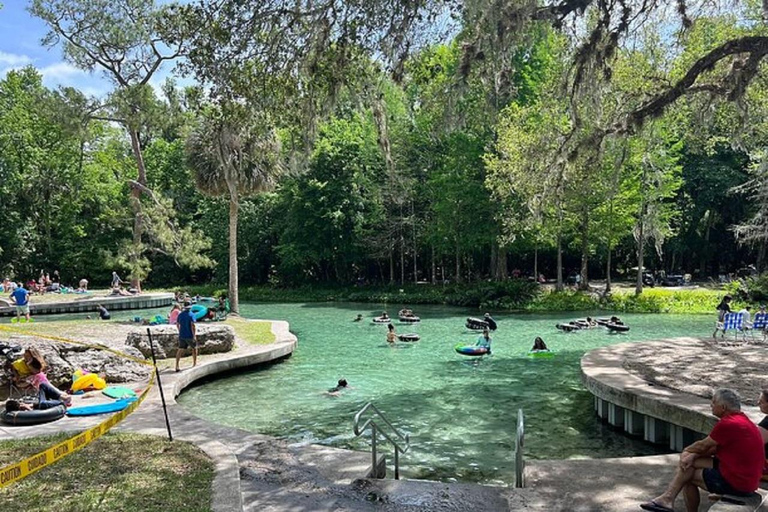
column 20, row 35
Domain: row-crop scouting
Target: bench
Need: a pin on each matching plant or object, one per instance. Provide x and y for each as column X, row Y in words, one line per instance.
column 756, row 501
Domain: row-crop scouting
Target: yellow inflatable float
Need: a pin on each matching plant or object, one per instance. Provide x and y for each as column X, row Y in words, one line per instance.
column 83, row 381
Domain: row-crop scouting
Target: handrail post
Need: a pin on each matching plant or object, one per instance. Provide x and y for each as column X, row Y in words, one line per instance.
column 519, row 448
column 373, row 450
column 397, row 463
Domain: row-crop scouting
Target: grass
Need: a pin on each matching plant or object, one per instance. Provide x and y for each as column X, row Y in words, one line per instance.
column 117, row 472
column 252, row 332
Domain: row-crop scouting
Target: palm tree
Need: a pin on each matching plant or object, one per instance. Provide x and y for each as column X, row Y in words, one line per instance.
column 233, row 152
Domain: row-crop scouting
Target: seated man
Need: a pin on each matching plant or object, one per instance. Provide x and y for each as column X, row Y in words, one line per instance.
column 728, row 461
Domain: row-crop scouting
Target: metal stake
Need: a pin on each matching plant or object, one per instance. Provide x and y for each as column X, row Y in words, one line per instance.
column 159, row 384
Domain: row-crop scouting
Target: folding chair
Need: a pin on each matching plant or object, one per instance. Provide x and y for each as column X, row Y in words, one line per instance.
column 734, row 322
column 760, row 324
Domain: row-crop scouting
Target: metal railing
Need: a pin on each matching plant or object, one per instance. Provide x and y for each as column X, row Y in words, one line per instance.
column 375, row 428
column 519, row 445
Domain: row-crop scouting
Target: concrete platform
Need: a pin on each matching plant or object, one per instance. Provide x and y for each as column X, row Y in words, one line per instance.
column 88, row 303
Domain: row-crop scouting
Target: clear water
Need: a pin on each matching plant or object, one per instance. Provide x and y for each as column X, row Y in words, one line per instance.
column 460, row 412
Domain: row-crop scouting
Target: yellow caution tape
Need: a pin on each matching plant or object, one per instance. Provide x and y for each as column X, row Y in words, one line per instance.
column 12, row 473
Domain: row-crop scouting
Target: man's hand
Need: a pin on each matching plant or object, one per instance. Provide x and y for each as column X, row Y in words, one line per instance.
column 686, row 460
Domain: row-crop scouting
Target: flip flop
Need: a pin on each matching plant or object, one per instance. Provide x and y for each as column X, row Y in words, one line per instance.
column 652, row 506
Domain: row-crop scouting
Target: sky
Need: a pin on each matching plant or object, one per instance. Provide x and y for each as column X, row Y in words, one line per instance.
column 20, row 36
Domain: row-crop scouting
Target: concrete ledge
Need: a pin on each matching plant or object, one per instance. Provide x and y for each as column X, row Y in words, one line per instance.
column 604, row 376
column 751, row 503
column 88, row 303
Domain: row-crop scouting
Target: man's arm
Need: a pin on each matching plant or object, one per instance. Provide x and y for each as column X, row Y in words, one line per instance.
column 194, row 330
column 705, row 447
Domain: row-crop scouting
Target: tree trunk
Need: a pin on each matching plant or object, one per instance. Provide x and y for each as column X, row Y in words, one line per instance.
column 402, row 258
column 559, row 286
column 392, row 263
column 761, row 256
column 138, row 216
column 234, row 291
column 584, row 284
column 458, row 263
column 536, row 262
column 415, row 252
column 434, row 270
column 640, row 250
column 608, row 271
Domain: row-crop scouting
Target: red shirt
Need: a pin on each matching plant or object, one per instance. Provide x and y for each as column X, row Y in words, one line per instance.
column 739, row 450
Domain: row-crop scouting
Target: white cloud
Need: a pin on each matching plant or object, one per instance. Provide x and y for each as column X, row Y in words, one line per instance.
column 13, row 60
column 60, row 71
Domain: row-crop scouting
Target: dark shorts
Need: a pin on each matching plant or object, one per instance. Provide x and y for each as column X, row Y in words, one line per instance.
column 187, row 343
column 716, row 483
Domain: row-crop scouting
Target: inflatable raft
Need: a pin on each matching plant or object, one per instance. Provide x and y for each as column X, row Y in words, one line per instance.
column 471, row 350
column 380, row 320
column 408, row 337
column 33, row 417
column 476, row 324
column 409, row 319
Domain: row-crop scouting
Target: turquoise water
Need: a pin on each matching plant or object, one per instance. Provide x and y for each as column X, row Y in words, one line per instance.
column 460, row 412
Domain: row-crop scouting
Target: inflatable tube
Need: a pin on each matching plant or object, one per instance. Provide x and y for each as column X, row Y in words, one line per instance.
column 409, row 319
column 88, row 382
column 198, row 312
column 471, row 350
column 568, row 327
column 91, row 410
column 409, row 337
column 541, row 353
column 617, row 327
column 33, row 417
column 379, row 320
column 476, row 324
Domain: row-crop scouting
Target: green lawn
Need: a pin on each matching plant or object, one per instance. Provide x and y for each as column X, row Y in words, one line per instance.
column 117, row 472
column 253, row 332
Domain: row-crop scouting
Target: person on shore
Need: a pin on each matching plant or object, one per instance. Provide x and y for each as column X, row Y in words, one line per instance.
column 341, row 385
column 728, row 461
column 746, row 317
column 83, row 286
column 762, row 403
column 391, row 335
column 116, row 281
column 491, row 322
column 20, row 299
column 538, row 344
column 722, row 309
column 174, row 314
column 48, row 396
column 185, row 322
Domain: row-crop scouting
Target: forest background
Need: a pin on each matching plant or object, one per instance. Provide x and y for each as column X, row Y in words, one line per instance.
column 358, row 145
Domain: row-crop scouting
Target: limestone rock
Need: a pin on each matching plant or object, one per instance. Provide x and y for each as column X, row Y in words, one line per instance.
column 211, row 339
column 64, row 359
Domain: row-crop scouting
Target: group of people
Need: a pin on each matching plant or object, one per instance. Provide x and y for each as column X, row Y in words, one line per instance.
column 29, row 372
column 724, row 308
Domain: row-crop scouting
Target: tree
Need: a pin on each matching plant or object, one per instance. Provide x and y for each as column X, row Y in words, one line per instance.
column 128, row 40
column 236, row 153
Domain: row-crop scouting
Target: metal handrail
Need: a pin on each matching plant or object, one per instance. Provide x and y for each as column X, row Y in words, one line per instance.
column 519, row 445
column 359, row 429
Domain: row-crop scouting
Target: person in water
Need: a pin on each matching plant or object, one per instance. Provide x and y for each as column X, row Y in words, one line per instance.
column 103, row 313
column 491, row 322
column 484, row 340
column 336, row 391
column 384, row 315
column 538, row 344
column 359, row 318
column 591, row 321
column 616, row 320
column 391, row 335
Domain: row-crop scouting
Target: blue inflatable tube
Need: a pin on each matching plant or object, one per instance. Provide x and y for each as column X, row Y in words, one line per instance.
column 198, row 312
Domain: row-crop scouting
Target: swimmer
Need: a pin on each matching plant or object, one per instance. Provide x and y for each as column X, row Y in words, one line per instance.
column 491, row 322
column 484, row 340
column 391, row 336
column 616, row 320
column 538, row 344
column 384, row 315
column 336, row 391
column 359, row 318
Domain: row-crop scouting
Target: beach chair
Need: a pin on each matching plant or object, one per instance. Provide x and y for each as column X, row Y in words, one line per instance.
column 734, row 322
column 760, row 324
